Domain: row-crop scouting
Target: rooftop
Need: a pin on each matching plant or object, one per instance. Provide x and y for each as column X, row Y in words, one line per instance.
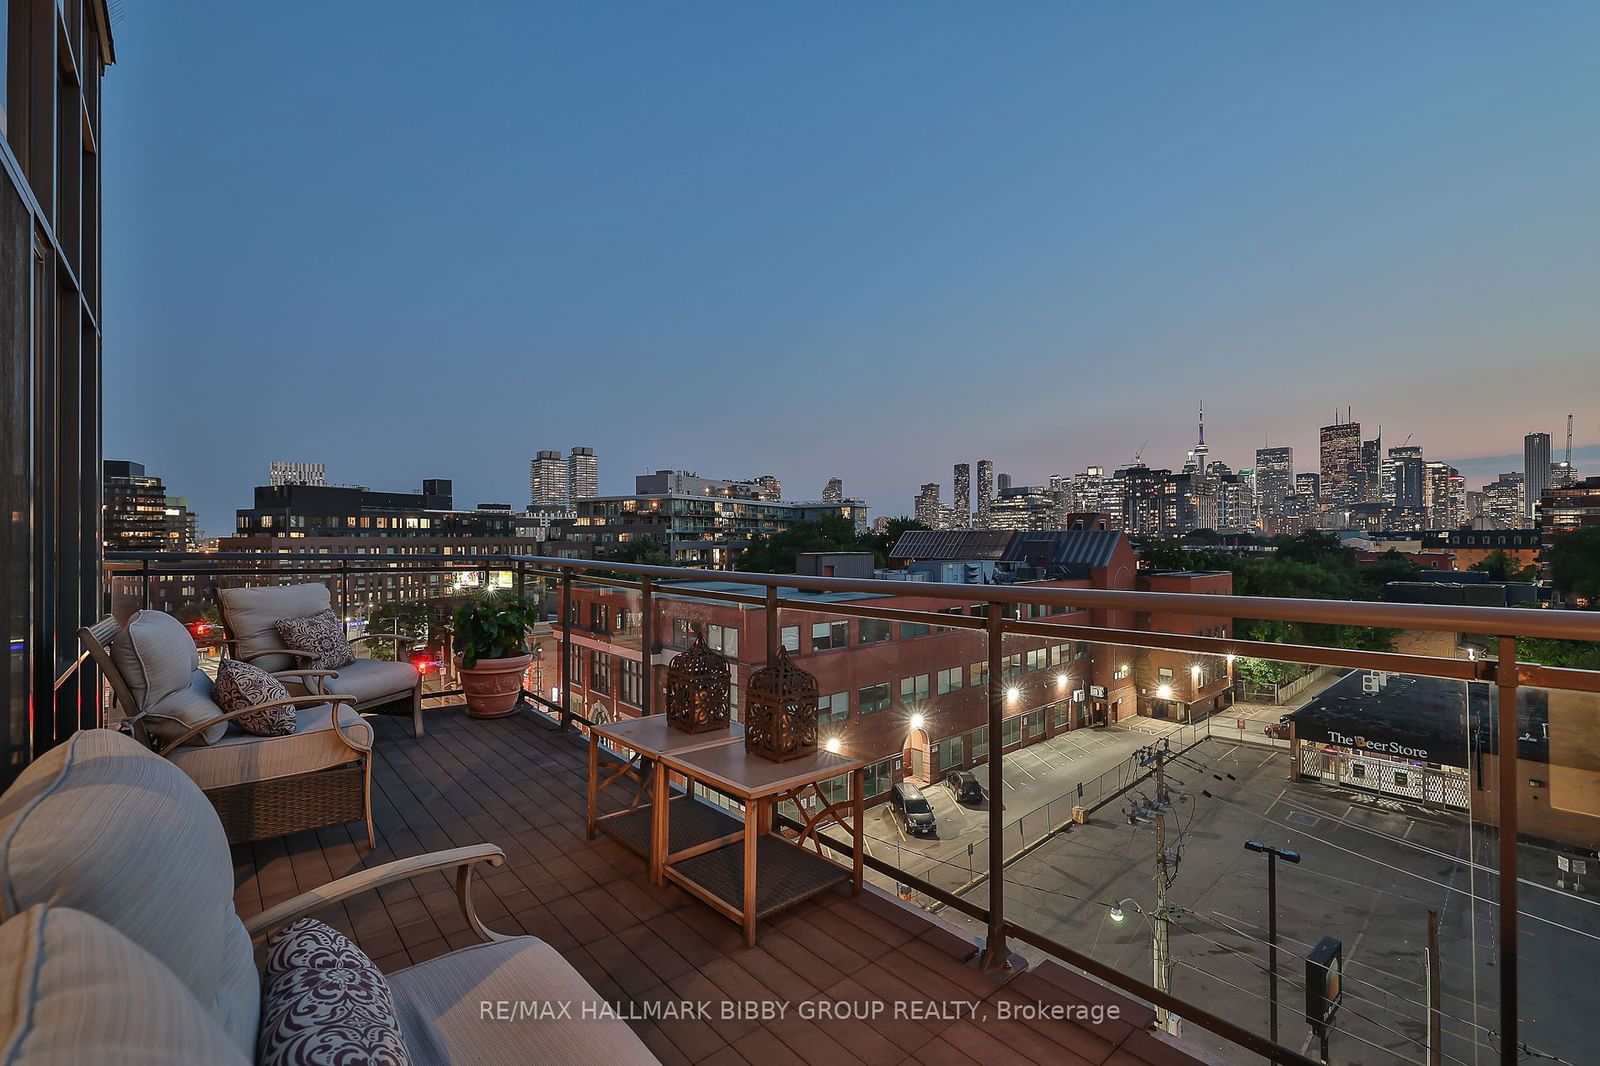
column 519, row 783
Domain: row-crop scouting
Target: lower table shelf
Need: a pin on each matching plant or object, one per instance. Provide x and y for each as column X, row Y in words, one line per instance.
column 692, row 823
column 785, row 875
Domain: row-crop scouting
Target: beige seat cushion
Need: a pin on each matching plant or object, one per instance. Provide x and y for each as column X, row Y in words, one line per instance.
column 157, row 659
column 251, row 616
column 241, row 757
column 176, row 714
column 102, row 825
column 441, row 1013
column 75, row 990
column 370, row 680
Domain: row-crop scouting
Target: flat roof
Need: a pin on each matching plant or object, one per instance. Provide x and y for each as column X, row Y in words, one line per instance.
column 1420, row 718
column 786, row 592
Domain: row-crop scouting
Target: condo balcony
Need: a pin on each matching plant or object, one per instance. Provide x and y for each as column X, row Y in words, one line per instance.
column 1041, row 820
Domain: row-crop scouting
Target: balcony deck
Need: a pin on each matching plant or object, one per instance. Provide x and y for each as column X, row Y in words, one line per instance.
column 518, row 783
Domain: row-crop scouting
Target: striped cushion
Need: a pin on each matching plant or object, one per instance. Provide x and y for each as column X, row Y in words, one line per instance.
column 251, row 617
column 74, row 990
column 104, row 826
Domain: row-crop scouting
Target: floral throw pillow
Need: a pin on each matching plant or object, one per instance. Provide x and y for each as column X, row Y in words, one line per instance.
column 240, row 685
column 323, row 1001
column 322, row 635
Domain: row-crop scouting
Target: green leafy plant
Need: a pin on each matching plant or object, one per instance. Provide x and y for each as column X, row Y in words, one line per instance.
column 493, row 625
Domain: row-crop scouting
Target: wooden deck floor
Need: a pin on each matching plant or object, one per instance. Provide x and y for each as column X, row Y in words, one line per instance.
column 517, row 783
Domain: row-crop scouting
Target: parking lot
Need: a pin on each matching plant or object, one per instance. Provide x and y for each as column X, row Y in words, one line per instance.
column 1371, row 869
column 1034, row 777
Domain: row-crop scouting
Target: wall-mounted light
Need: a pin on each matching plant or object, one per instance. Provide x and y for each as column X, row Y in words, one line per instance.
column 1062, row 679
column 1164, row 692
column 832, row 746
column 917, row 720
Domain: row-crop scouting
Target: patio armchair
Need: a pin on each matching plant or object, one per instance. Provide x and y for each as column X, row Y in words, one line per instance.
column 261, row 787
column 249, row 618
column 120, row 941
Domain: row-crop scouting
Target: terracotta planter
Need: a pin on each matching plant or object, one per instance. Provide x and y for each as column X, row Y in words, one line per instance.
column 494, row 686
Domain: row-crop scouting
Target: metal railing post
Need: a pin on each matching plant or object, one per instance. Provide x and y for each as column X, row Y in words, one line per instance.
column 772, row 625
column 1505, row 677
column 566, row 649
column 144, row 583
column 344, row 590
column 996, row 955
column 647, row 630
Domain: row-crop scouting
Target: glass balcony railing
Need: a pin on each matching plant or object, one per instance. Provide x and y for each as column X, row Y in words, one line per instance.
column 1301, row 852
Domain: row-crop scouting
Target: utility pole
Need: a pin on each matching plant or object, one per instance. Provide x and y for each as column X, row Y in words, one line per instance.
column 1273, row 855
column 1157, row 755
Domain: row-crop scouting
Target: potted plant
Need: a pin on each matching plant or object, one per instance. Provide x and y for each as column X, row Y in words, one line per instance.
column 491, row 643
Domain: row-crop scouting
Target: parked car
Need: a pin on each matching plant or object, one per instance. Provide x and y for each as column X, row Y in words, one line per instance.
column 1278, row 730
column 965, row 786
column 912, row 810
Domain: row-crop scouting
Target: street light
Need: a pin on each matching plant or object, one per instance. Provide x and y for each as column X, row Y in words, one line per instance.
column 1273, row 855
column 1158, row 952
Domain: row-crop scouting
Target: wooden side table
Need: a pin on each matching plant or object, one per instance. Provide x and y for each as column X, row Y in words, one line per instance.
column 638, row 828
column 753, row 873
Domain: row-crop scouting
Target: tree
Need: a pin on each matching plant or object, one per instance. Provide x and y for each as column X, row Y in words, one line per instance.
column 1575, row 565
column 422, row 621
column 777, row 552
column 1501, row 567
column 646, row 551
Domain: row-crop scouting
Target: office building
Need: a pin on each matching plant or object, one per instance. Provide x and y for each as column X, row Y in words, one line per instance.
column 1371, row 473
column 280, row 472
column 962, row 504
column 699, row 521
column 1274, row 481
column 548, row 484
column 1308, row 485
column 770, row 488
column 1341, row 464
column 985, row 491
column 583, row 473
column 927, row 509
column 1023, row 507
column 1002, row 484
column 135, row 508
column 833, row 490
column 180, row 525
column 1535, row 471
column 1504, row 505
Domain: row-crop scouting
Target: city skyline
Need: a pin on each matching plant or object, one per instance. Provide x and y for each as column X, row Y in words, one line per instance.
column 1052, row 251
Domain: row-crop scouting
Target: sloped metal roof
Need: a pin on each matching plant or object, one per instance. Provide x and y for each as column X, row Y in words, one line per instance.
column 1073, row 549
column 950, row 545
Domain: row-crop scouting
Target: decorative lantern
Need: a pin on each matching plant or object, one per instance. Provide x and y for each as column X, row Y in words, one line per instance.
column 698, row 681
column 781, row 711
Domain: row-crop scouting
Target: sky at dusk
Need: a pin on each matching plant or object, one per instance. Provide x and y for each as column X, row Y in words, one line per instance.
column 868, row 241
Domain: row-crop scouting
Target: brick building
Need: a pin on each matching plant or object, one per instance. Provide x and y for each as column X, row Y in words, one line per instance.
column 912, row 695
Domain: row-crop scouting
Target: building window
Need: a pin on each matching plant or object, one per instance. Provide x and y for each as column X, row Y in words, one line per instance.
column 684, row 630
column 980, row 742
column 598, row 617
column 600, row 673
column 1033, row 724
column 873, row 631
column 828, row 635
column 1036, row 659
column 909, row 630
column 1011, row 732
column 1013, row 667
column 733, row 703
column 1058, row 715
column 874, row 698
column 632, row 681
column 978, row 674
column 1164, row 675
column 914, row 689
column 833, row 708
column 950, row 752
column 949, row 680
column 1121, row 673
column 879, row 777
column 723, row 639
column 789, row 638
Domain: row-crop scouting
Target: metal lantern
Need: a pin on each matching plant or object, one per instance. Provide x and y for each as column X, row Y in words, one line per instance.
column 781, row 711
column 698, row 681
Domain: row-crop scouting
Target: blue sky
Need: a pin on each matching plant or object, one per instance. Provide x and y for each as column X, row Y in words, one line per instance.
column 856, row 240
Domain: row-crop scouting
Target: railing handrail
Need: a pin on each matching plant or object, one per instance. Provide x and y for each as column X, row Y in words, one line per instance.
column 1488, row 621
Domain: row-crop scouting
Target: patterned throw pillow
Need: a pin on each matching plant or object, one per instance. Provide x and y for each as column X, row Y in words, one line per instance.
column 241, row 685
column 323, row 1001
column 321, row 635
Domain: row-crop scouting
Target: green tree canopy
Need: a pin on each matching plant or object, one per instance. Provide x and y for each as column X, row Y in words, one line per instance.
column 1501, row 567
column 1575, row 566
column 778, row 552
